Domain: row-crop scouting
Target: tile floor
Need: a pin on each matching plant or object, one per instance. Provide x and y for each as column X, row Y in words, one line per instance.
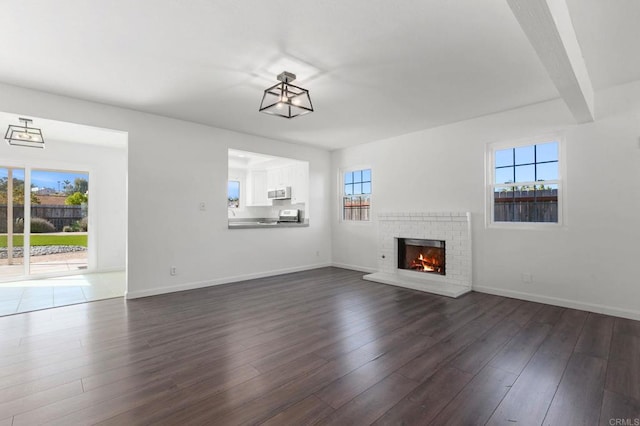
column 31, row 295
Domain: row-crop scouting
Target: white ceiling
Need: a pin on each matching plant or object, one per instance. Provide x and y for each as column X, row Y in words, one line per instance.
column 53, row 130
column 374, row 68
column 609, row 35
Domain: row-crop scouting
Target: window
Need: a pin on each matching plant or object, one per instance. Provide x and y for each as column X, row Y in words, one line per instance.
column 525, row 183
column 356, row 197
column 233, row 194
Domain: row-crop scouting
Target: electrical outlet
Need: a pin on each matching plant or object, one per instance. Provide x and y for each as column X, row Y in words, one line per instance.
column 318, row 253
column 527, row 278
column 173, row 270
column 202, row 206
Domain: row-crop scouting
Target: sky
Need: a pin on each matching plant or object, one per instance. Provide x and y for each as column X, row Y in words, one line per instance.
column 357, row 182
column 233, row 189
column 45, row 178
column 515, row 164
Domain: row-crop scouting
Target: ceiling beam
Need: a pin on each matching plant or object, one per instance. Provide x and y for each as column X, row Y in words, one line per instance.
column 548, row 26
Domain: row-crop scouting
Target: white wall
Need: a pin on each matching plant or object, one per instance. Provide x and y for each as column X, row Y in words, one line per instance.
column 107, row 180
column 591, row 263
column 174, row 165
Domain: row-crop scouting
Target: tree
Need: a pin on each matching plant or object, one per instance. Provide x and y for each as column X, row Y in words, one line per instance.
column 67, row 186
column 76, row 199
column 80, row 185
column 18, row 192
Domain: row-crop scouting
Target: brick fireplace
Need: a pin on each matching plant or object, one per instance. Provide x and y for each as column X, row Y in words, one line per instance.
column 453, row 232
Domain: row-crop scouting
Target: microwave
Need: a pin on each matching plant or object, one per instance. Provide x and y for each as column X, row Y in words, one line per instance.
column 280, row 194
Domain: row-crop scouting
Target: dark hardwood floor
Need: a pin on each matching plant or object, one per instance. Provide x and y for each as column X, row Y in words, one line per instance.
column 318, row 347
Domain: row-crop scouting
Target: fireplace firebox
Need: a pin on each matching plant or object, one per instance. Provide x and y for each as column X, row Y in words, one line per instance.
column 421, row 255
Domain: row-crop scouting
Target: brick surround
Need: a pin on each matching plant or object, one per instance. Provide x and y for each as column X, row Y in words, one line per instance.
column 452, row 227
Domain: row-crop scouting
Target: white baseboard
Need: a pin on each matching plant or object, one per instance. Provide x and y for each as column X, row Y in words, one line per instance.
column 565, row 303
column 354, row 267
column 219, row 281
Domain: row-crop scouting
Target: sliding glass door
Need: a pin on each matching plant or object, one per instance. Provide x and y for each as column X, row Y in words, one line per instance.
column 46, row 233
column 12, row 190
column 59, row 221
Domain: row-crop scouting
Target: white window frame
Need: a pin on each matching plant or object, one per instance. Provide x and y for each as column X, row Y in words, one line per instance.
column 240, row 193
column 341, row 183
column 238, row 175
column 490, row 184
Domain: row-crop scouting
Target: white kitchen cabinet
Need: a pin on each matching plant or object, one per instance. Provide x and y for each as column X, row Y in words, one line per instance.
column 295, row 175
column 285, row 176
column 279, row 177
column 257, row 188
column 299, row 178
column 272, row 180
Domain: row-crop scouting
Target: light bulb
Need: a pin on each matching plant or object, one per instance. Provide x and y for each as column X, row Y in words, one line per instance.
column 24, row 136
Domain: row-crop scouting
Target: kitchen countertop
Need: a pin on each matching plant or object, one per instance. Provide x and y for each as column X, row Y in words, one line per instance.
column 250, row 223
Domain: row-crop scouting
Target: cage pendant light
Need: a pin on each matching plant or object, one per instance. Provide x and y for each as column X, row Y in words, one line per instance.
column 23, row 135
column 285, row 99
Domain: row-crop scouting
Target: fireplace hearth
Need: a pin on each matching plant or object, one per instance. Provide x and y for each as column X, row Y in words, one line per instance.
column 421, row 255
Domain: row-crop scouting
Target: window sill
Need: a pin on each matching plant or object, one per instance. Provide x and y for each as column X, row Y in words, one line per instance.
column 356, row 222
column 526, row 226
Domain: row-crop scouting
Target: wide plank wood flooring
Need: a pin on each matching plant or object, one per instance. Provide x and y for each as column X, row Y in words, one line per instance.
column 318, row 347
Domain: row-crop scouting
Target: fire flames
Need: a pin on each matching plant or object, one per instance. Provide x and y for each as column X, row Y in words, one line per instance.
column 425, row 264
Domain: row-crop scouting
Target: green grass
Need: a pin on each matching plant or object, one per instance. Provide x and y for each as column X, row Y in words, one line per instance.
column 47, row 240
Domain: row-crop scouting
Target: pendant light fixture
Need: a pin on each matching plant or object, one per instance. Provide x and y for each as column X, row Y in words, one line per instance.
column 285, row 99
column 23, row 135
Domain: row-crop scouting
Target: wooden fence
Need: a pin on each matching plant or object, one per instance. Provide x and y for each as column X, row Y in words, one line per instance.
column 60, row 216
column 526, row 206
column 356, row 208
